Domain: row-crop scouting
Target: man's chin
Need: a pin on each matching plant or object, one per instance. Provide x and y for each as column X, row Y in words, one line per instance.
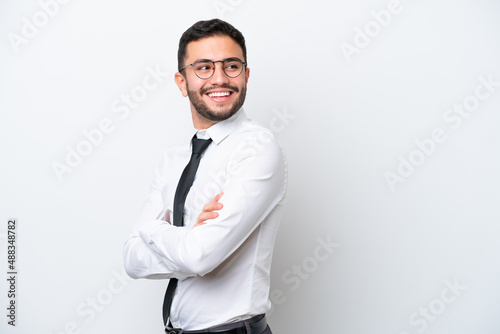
column 216, row 112
column 217, row 115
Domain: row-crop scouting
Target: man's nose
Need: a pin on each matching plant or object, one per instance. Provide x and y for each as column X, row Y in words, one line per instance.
column 219, row 77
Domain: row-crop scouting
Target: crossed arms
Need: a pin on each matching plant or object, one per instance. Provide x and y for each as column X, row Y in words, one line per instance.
column 158, row 249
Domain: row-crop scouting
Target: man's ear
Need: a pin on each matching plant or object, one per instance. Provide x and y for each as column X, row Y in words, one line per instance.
column 247, row 74
column 180, row 81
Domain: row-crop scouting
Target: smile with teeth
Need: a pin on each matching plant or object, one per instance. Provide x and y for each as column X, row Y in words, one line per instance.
column 219, row 94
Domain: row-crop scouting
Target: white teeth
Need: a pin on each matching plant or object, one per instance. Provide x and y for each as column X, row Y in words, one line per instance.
column 219, row 94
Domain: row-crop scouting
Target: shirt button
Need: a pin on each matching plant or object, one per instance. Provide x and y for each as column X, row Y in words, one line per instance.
column 176, row 324
column 176, row 291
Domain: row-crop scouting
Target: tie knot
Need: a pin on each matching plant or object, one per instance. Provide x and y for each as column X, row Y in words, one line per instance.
column 200, row 145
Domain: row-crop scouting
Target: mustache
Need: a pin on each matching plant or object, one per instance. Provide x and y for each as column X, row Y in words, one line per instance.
column 233, row 88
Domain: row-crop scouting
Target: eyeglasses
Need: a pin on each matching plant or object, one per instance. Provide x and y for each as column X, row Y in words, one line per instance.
column 205, row 68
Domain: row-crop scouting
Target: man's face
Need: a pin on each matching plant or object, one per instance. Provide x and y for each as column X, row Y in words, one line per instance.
column 219, row 97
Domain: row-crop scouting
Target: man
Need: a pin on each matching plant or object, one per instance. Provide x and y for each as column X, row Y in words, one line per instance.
column 219, row 258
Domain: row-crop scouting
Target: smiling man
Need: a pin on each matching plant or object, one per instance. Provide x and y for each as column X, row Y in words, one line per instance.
column 212, row 214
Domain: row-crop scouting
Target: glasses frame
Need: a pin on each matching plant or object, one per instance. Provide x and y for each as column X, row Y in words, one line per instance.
column 213, row 70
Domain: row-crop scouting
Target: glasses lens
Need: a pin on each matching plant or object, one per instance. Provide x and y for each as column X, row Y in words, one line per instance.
column 233, row 67
column 204, row 69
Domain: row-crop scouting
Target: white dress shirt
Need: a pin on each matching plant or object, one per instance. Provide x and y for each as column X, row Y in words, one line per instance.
column 223, row 266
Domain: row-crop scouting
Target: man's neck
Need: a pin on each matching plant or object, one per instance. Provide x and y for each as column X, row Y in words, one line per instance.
column 199, row 122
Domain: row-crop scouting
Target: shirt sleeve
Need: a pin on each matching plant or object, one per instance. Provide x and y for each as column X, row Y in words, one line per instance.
column 140, row 260
column 254, row 188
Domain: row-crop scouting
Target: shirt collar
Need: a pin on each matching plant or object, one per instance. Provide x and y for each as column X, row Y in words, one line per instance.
column 219, row 131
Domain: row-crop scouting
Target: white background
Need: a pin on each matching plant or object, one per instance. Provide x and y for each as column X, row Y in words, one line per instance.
column 349, row 121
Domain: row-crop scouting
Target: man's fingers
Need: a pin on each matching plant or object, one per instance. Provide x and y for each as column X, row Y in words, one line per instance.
column 199, row 224
column 209, row 210
column 217, row 198
column 214, row 204
column 207, row 215
column 204, row 216
column 212, row 207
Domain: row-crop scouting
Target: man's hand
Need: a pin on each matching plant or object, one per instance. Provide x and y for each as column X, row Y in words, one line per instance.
column 208, row 211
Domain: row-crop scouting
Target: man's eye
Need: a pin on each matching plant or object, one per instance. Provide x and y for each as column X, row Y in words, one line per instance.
column 204, row 67
column 233, row 66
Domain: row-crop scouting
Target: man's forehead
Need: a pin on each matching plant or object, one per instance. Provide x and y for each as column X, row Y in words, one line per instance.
column 214, row 48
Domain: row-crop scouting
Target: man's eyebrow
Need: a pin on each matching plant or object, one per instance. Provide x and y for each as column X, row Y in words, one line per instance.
column 232, row 58
column 225, row 59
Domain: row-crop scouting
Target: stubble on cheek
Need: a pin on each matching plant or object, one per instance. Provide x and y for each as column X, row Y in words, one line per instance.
column 201, row 107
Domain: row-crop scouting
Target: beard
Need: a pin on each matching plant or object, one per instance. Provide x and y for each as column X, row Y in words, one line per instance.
column 221, row 113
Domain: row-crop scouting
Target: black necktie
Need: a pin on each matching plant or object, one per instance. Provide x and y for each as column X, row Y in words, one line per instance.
column 185, row 183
